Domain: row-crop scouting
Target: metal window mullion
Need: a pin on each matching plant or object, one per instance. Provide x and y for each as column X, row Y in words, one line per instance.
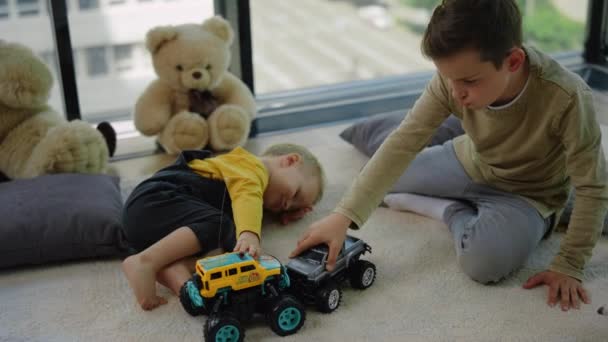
column 61, row 34
column 595, row 40
column 237, row 12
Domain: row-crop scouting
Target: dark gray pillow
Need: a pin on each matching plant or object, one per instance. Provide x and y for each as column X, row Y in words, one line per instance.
column 60, row 217
column 368, row 134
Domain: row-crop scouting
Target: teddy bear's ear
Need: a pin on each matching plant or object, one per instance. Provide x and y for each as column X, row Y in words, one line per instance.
column 220, row 28
column 158, row 36
column 25, row 81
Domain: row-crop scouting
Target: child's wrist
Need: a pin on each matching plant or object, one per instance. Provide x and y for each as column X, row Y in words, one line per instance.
column 248, row 233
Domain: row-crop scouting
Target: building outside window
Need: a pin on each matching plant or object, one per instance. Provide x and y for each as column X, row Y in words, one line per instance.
column 28, row 7
column 123, row 57
column 88, row 4
column 323, row 42
column 4, row 12
column 96, row 61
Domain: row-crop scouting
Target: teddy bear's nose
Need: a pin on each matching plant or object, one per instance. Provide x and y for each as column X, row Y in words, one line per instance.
column 197, row 74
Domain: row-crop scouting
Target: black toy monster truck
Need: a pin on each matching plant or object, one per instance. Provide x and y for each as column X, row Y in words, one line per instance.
column 313, row 284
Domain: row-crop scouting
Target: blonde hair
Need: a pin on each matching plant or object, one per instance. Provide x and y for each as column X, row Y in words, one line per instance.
column 309, row 161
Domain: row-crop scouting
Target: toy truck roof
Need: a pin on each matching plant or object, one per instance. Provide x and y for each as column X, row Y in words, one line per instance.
column 311, row 263
column 266, row 261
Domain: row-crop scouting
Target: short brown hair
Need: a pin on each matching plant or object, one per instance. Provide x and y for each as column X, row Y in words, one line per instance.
column 492, row 27
column 309, row 161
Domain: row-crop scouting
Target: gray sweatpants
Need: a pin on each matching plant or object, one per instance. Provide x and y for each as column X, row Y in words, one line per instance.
column 494, row 232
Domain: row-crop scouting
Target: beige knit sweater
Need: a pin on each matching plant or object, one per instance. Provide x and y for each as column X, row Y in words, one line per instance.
column 537, row 147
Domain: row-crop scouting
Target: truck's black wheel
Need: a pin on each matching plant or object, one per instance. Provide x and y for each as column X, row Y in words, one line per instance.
column 328, row 297
column 223, row 327
column 362, row 274
column 194, row 306
column 286, row 316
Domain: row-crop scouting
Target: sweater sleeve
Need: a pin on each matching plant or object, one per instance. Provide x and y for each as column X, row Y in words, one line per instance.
column 581, row 137
column 246, row 196
column 396, row 153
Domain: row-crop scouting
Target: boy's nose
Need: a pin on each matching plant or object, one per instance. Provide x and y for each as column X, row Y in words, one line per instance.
column 459, row 96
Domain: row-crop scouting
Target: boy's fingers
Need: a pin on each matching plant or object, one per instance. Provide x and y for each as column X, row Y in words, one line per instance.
column 574, row 298
column 553, row 293
column 333, row 255
column 584, row 296
column 303, row 244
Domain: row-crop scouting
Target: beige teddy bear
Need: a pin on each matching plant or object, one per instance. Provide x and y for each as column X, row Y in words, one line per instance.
column 34, row 139
column 195, row 101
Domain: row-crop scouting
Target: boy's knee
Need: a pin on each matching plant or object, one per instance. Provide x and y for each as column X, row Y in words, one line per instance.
column 484, row 265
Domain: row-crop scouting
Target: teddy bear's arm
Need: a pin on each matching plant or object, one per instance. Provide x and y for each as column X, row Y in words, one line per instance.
column 153, row 108
column 233, row 91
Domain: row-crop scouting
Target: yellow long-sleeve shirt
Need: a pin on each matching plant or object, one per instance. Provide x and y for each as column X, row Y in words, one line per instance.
column 546, row 140
column 246, row 178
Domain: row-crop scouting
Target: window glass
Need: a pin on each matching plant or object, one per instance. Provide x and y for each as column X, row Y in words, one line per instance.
column 88, row 4
column 4, row 9
column 28, row 7
column 114, row 67
column 96, row 61
column 24, row 22
column 320, row 42
column 123, row 57
column 247, row 268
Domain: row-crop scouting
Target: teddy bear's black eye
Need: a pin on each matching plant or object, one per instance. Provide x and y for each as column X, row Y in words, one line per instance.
column 208, row 66
column 179, row 67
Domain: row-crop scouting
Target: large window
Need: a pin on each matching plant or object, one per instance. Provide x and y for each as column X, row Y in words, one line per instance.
column 321, row 42
column 369, row 48
column 113, row 66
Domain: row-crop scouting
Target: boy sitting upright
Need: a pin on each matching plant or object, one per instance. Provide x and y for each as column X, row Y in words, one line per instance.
column 530, row 132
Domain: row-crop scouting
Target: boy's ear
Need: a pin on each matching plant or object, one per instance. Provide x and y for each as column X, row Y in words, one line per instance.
column 290, row 159
column 516, row 58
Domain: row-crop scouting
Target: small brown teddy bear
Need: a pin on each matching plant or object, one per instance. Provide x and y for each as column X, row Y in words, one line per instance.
column 34, row 139
column 195, row 102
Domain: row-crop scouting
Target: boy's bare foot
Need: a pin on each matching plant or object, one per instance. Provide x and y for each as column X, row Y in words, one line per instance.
column 142, row 280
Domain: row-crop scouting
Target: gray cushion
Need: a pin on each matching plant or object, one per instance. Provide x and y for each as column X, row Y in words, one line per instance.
column 368, row 134
column 60, row 217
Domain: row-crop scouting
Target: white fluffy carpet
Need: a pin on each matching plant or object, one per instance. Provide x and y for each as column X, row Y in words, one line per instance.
column 419, row 295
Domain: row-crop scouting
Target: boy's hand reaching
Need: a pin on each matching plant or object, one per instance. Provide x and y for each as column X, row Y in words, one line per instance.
column 330, row 230
column 294, row 215
column 248, row 242
column 562, row 287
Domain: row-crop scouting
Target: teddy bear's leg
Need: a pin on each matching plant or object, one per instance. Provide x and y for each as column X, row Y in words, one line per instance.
column 229, row 127
column 73, row 147
column 184, row 131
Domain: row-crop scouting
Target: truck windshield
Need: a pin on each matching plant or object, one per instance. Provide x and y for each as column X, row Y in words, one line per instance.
column 313, row 256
